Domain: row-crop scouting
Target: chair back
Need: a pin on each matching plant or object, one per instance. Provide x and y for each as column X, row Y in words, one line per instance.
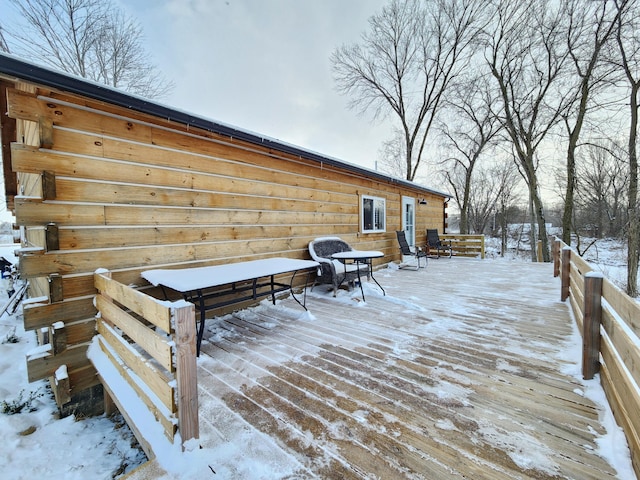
column 404, row 245
column 324, row 247
column 433, row 239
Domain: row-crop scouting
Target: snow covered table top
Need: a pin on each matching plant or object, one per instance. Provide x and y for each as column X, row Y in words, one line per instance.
column 189, row 279
column 357, row 254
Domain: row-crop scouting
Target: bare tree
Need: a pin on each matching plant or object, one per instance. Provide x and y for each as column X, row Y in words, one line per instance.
column 628, row 39
column 589, row 28
column 494, row 185
column 467, row 131
column 392, row 155
column 507, row 198
column 526, row 56
column 601, row 189
column 89, row 38
column 406, row 62
column 3, row 43
column 493, row 190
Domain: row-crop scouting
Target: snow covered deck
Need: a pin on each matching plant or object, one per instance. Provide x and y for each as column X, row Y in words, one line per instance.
column 466, row 369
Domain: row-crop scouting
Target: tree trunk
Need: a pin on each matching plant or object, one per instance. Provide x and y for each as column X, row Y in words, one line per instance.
column 409, row 153
column 633, row 239
column 532, row 226
column 503, row 229
column 567, row 215
column 464, row 213
column 464, row 221
column 542, row 228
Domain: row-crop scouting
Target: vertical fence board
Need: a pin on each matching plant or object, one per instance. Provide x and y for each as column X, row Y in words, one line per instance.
column 186, row 372
column 566, row 273
column 591, row 324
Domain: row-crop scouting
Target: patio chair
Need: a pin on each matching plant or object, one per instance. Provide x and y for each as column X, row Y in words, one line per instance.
column 409, row 251
column 333, row 271
column 433, row 241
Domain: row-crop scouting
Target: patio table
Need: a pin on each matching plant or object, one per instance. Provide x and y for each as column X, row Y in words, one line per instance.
column 360, row 257
column 197, row 284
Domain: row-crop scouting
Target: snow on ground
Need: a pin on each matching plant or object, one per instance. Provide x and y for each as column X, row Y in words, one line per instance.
column 36, row 444
column 608, row 256
column 605, row 255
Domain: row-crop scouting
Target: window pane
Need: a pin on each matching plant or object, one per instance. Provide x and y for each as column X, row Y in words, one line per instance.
column 373, row 214
column 367, row 213
column 379, row 215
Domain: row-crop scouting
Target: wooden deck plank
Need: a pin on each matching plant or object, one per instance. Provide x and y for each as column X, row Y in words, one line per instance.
column 363, row 380
column 445, row 377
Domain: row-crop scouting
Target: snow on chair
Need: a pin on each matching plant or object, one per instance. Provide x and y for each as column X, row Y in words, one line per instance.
column 333, row 271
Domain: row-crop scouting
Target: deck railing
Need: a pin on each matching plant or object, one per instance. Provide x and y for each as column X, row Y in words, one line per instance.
column 609, row 321
column 147, row 356
column 465, row 245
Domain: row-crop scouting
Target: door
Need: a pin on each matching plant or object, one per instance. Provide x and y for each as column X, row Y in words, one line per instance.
column 409, row 219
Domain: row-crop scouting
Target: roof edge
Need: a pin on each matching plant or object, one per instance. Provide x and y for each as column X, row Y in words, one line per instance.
column 22, row 70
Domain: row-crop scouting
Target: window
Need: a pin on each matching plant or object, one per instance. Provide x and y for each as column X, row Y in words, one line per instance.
column 373, row 214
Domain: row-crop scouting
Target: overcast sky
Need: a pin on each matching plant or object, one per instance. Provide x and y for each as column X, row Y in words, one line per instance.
column 263, row 66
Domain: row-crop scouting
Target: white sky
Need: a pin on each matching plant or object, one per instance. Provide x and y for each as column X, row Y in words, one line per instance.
column 263, row 66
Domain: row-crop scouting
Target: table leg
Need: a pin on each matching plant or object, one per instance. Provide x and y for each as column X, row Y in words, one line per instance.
column 164, row 292
column 374, row 278
column 360, row 280
column 304, row 302
column 202, row 319
column 273, row 295
column 344, row 278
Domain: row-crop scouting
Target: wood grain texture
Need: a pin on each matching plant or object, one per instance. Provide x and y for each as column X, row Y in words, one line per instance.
column 157, row 346
column 444, row 390
column 128, row 192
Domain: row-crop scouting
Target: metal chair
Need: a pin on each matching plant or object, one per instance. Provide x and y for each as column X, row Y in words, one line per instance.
column 433, row 241
column 409, row 251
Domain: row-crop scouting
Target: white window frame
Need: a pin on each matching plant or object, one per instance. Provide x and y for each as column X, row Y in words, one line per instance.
column 379, row 205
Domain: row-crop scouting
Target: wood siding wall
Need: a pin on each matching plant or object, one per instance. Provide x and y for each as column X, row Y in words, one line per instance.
column 105, row 187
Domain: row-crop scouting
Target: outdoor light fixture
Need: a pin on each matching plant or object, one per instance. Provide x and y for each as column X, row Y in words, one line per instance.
column 423, row 202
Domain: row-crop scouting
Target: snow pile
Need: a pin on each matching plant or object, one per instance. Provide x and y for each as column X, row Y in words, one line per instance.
column 36, row 443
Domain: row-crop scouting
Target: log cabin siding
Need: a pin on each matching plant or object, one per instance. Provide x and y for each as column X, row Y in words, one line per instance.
column 128, row 191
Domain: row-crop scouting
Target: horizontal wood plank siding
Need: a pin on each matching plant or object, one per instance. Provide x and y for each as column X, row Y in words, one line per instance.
column 127, row 191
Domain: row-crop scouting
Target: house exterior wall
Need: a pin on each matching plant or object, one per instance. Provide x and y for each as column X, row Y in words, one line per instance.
column 102, row 186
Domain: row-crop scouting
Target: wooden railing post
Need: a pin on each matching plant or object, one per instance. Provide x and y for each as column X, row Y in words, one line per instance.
column 556, row 257
column 186, row 373
column 591, row 324
column 566, row 273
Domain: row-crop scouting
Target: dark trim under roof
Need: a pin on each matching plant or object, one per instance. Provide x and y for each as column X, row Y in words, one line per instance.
column 13, row 67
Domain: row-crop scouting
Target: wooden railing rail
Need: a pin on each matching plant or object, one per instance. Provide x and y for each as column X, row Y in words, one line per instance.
column 609, row 321
column 465, row 245
column 151, row 345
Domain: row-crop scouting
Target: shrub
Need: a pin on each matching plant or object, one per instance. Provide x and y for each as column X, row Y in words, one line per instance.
column 11, row 338
column 20, row 403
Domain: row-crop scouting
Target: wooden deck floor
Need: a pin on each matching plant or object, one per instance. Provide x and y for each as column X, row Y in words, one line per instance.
column 456, row 373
